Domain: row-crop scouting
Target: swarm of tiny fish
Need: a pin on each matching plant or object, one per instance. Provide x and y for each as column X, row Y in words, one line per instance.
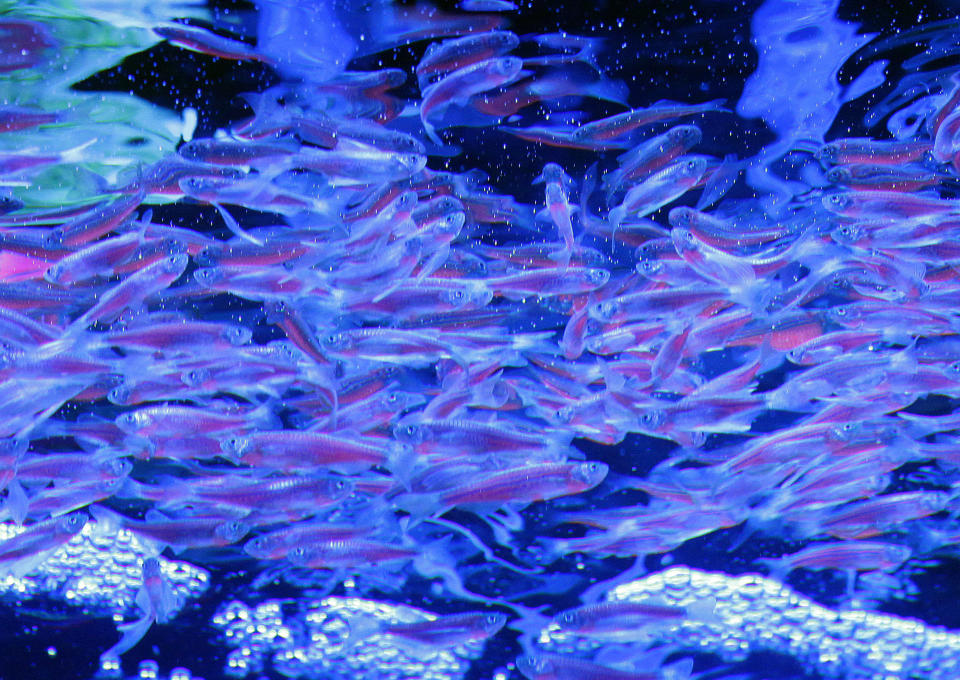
column 344, row 373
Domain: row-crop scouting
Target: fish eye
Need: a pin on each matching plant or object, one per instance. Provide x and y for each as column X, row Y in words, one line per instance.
column 826, row 152
column 54, row 272
column 838, row 174
column 74, row 523
column 235, row 445
column 607, row 310
column 650, row 418
column 119, row 395
column 597, row 276
column 838, row 200
column 840, row 311
column 508, row 64
column 592, row 468
column 196, row 377
column 174, row 262
column 648, row 267
column 341, row 485
column 537, row 664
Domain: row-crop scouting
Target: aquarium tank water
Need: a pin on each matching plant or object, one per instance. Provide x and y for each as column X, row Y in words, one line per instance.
column 479, row 340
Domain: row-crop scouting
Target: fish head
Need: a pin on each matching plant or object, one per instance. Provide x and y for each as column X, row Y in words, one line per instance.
column 9, row 356
column 55, row 273
column 651, row 419
column 683, row 239
column 552, row 174
column 120, row 395
column 685, row 135
column 952, row 371
column 300, row 555
column 237, row 335
column 596, row 277
column 457, row 297
column 508, row 66
column 649, row 268
column 258, row 547
column 450, row 225
column 828, row 153
column 570, row 620
column 411, row 433
column 232, row 531
column 410, row 163
column 565, row 414
column 493, row 622
column 406, row 201
column 838, row 203
column 195, row 377
column 193, row 150
column 110, row 487
column 133, row 421
column 475, row 266
column 116, row 468
column 174, row 264
column 839, row 175
column 337, row 342
column 339, row 487
column 604, row 311
column 54, row 239
column 681, row 217
column 72, row 524
column 535, row 667
column 173, row 246
column 505, row 40
column 235, row 447
column 694, row 167
column 208, row 276
column 845, row 315
column 591, row 473
column 400, row 401
column 208, row 256
column 847, row 234
column 151, row 568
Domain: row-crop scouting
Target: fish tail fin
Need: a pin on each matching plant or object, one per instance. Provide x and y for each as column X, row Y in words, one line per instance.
column 130, row 635
column 704, row 611
column 777, row 566
column 401, row 461
column 17, row 503
column 360, row 628
column 419, row 505
column 235, row 227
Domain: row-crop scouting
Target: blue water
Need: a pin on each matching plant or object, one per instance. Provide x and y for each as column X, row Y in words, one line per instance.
column 787, row 78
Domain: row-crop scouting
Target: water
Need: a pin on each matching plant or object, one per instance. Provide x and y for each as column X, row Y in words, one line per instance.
column 764, row 465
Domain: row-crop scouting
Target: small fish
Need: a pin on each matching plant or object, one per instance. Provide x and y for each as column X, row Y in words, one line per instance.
column 22, row 553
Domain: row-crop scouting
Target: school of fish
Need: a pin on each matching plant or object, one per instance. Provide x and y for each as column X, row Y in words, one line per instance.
column 606, row 433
